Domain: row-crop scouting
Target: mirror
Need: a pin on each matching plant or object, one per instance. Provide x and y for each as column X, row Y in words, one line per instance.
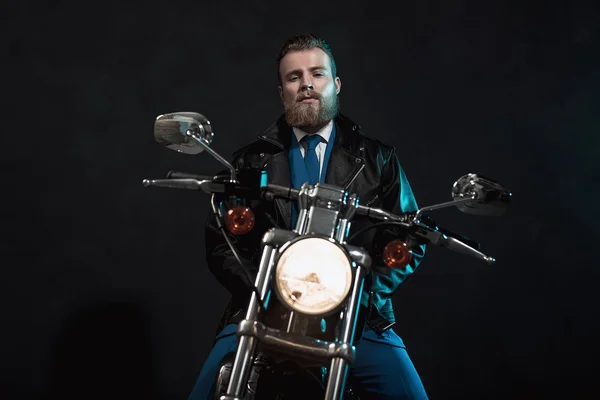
column 175, row 132
column 491, row 198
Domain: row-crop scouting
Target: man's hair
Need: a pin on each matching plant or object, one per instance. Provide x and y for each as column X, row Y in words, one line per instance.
column 305, row 42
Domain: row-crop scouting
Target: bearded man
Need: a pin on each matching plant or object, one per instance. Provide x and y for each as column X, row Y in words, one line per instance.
column 312, row 142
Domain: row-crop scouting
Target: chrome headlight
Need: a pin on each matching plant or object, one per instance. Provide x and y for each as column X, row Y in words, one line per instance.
column 313, row 276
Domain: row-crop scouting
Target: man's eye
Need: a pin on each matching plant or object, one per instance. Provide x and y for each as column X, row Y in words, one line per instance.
column 319, row 74
column 292, row 78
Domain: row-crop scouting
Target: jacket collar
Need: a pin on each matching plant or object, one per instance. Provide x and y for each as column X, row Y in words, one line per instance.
column 278, row 133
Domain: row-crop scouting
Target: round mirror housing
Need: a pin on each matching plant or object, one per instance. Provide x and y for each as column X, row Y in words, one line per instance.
column 488, row 197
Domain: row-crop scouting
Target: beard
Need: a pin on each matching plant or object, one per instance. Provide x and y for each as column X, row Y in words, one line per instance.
column 312, row 115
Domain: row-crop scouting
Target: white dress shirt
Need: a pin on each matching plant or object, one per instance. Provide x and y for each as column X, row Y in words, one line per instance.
column 325, row 133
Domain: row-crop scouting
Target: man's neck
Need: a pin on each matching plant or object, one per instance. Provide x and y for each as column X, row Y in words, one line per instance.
column 311, row 130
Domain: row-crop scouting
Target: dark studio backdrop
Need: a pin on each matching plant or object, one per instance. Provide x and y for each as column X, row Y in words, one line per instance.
column 106, row 292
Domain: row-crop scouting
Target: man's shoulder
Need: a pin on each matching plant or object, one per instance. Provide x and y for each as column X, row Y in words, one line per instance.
column 254, row 146
column 264, row 143
column 377, row 142
column 371, row 143
column 348, row 125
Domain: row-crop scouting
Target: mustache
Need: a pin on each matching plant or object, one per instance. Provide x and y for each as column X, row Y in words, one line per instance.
column 308, row 95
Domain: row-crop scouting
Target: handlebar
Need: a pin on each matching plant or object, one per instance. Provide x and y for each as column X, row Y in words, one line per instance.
column 271, row 191
column 430, row 234
column 440, row 237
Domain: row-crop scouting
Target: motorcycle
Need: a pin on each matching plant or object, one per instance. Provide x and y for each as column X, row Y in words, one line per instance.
column 302, row 320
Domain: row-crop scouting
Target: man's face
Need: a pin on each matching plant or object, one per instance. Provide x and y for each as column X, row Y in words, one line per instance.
column 308, row 89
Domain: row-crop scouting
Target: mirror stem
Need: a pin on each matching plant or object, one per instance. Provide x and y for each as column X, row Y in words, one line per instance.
column 444, row 205
column 233, row 177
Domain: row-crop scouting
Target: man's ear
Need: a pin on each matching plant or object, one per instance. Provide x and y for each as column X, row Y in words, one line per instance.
column 338, row 85
column 280, row 92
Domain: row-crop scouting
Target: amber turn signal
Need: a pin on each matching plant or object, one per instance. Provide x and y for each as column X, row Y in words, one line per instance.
column 239, row 220
column 396, row 254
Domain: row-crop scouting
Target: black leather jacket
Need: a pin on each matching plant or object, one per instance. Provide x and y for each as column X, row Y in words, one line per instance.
column 382, row 183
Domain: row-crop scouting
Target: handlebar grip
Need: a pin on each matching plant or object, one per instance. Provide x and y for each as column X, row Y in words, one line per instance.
column 184, row 175
column 383, row 215
column 271, row 191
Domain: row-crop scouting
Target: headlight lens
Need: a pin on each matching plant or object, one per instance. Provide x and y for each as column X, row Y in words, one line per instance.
column 313, row 276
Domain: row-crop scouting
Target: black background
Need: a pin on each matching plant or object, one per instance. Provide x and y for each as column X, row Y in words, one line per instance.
column 106, row 293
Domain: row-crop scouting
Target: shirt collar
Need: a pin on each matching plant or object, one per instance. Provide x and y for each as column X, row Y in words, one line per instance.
column 325, row 132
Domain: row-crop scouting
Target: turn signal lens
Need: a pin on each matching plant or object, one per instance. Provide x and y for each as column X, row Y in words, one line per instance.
column 239, row 220
column 396, row 254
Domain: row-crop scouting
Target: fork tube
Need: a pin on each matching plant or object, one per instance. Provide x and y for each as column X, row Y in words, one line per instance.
column 245, row 350
column 339, row 367
column 337, row 379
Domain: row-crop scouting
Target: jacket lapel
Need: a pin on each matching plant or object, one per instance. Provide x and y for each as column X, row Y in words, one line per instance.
column 344, row 162
column 278, row 172
column 278, row 166
column 343, row 165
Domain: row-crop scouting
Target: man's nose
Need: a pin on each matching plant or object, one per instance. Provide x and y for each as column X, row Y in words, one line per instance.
column 307, row 85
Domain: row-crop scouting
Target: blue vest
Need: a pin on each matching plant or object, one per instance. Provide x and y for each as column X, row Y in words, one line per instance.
column 298, row 173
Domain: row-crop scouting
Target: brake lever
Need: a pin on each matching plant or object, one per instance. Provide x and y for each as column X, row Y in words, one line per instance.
column 438, row 238
column 429, row 222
